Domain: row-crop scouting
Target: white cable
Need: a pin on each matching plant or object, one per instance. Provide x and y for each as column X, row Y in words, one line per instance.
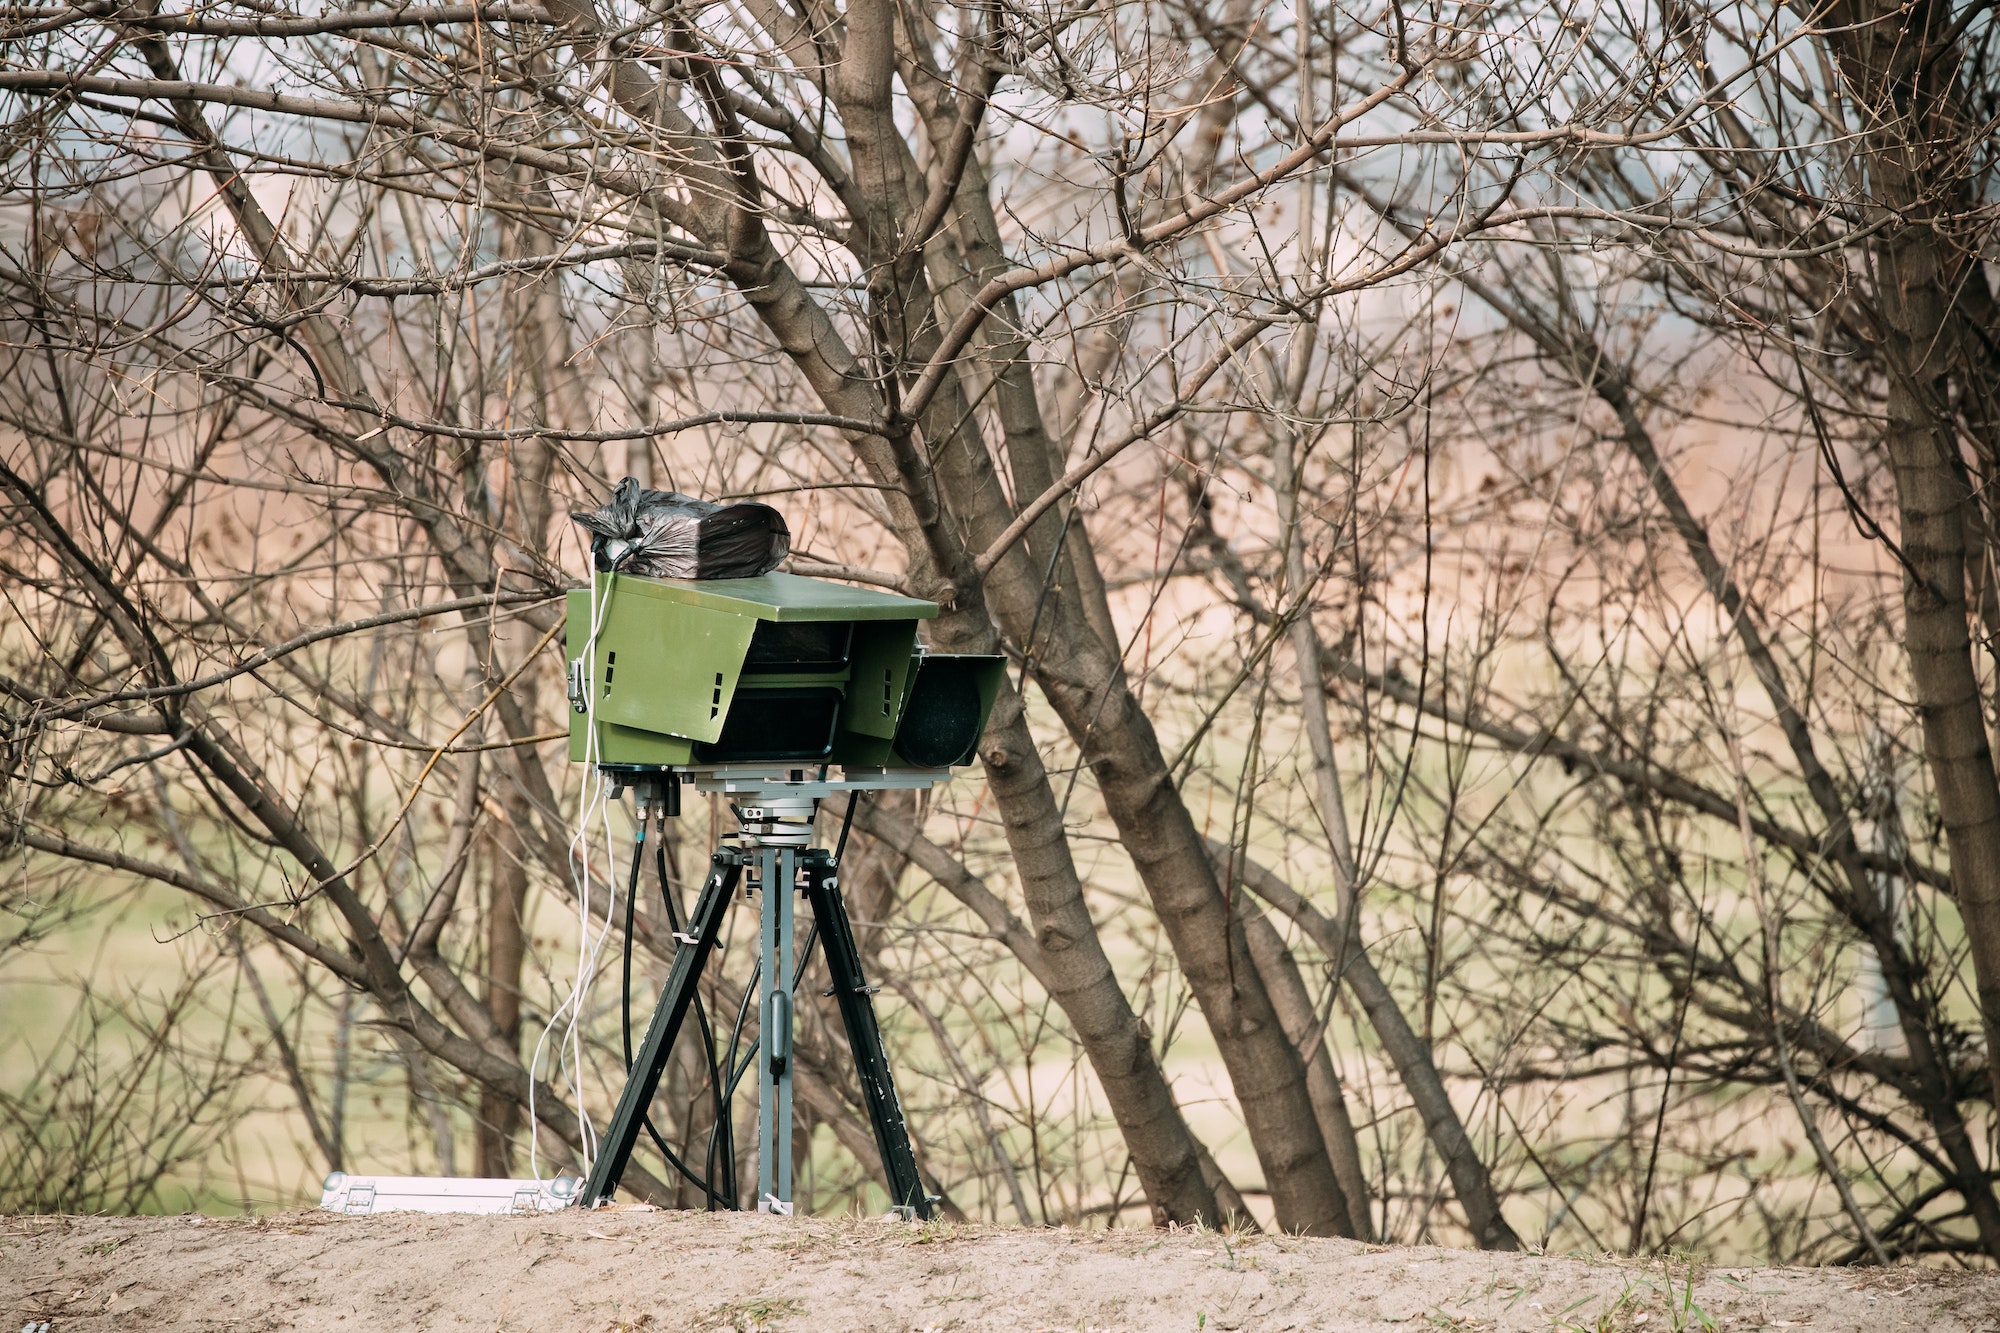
column 593, row 803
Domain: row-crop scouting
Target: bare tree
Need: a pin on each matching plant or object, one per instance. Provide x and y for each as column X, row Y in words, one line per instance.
column 1298, row 396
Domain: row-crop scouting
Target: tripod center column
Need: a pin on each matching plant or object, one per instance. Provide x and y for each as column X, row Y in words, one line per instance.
column 778, row 829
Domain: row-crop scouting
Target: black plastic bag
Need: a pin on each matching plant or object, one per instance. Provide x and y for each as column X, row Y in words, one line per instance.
column 667, row 535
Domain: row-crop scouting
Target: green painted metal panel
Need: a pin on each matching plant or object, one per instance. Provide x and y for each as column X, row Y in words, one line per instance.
column 879, row 677
column 615, row 744
column 783, row 597
column 629, row 745
column 665, row 665
column 852, row 750
column 989, row 674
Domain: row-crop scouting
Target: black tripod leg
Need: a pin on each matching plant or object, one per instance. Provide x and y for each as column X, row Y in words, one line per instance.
column 696, row 944
column 871, row 1062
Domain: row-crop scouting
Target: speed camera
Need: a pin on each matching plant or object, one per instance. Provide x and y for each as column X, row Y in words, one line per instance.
column 772, row 669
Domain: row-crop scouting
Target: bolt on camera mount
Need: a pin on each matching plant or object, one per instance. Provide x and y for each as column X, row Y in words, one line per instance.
column 757, row 689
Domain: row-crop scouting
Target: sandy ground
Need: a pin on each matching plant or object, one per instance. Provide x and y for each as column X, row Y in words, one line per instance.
column 608, row 1271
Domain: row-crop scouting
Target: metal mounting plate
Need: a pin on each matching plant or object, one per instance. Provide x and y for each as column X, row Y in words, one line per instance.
column 759, row 782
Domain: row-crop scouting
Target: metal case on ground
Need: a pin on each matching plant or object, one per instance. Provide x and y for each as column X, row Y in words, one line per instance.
column 361, row 1196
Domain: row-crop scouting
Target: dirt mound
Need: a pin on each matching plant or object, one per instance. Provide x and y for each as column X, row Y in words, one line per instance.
column 613, row 1271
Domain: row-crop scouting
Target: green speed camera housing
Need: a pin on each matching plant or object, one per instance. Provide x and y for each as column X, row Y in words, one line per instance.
column 776, row 668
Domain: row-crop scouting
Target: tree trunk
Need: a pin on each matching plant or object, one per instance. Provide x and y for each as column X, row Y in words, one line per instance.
column 1469, row 1176
column 1902, row 76
column 506, row 952
column 1303, row 1025
column 1118, row 742
column 1341, row 941
column 1164, row 1153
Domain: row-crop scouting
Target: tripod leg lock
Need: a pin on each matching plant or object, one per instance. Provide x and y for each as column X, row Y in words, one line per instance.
column 778, row 1032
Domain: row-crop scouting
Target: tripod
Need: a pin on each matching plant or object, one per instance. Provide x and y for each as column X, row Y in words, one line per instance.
column 774, row 849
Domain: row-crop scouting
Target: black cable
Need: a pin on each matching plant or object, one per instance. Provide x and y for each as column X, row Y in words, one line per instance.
column 722, row 1142
column 805, row 956
column 698, row 1182
column 700, row 1010
column 726, row 1092
column 798, row 974
column 846, row 823
column 725, row 1125
column 631, row 901
column 839, row 850
column 721, row 1134
column 805, row 951
column 625, row 996
column 666, row 888
column 742, row 1016
column 749, row 1058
